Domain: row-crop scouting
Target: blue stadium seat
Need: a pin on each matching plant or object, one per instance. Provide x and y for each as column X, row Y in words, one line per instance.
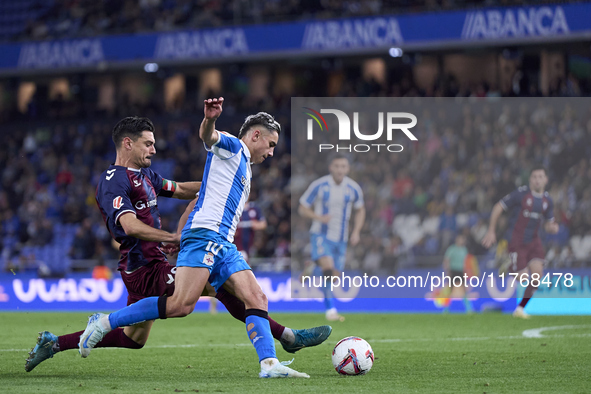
column 15, row 15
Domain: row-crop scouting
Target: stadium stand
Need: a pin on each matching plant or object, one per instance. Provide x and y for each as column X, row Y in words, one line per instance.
column 49, row 19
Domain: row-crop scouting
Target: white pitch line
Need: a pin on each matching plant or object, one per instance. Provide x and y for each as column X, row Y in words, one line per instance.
column 537, row 332
column 527, row 334
column 158, row 346
column 199, row 345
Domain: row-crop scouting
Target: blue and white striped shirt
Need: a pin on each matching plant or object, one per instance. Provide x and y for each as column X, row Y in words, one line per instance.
column 224, row 189
column 325, row 197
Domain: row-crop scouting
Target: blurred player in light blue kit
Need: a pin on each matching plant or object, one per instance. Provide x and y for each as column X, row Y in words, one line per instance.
column 330, row 201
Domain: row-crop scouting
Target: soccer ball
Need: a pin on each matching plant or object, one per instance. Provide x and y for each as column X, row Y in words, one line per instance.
column 352, row 356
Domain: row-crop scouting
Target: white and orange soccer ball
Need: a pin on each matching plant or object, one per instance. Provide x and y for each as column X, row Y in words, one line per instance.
column 352, row 356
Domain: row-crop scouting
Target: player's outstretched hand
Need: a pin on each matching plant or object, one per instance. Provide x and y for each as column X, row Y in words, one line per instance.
column 324, row 219
column 213, row 108
column 551, row 227
column 489, row 239
column 170, row 249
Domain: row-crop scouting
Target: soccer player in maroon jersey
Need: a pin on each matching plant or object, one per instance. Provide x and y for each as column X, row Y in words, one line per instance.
column 252, row 220
column 527, row 206
column 127, row 198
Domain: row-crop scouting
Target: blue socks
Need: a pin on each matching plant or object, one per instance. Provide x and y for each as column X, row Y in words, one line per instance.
column 146, row 309
column 328, row 301
column 259, row 333
column 257, row 322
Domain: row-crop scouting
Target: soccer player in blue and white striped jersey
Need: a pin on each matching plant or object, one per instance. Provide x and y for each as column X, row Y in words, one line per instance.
column 330, row 201
column 207, row 252
column 127, row 197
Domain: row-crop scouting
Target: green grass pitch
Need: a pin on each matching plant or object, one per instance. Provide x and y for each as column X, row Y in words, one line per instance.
column 453, row 353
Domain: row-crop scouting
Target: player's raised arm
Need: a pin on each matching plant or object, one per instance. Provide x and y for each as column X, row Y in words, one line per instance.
column 212, row 110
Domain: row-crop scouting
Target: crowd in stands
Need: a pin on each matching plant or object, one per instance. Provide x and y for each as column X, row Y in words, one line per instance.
column 48, row 180
column 470, row 154
column 466, row 161
column 53, row 19
column 53, row 152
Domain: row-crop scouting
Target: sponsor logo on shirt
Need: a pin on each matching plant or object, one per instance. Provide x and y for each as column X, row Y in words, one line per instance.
column 141, row 204
column 531, row 215
column 117, row 202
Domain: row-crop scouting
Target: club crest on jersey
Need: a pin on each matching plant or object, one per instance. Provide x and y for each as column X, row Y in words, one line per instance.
column 117, row 202
column 528, row 202
column 208, row 259
column 544, row 205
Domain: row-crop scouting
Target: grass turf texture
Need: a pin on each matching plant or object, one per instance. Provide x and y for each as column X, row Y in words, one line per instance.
column 414, row 353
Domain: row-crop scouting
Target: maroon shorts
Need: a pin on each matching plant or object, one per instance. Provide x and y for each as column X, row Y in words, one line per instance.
column 155, row 279
column 522, row 254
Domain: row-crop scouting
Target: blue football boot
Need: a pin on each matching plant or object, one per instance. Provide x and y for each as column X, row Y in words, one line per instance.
column 308, row 337
column 42, row 350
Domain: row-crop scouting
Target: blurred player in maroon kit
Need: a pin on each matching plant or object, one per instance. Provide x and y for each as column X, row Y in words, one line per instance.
column 252, row 219
column 127, row 198
column 527, row 206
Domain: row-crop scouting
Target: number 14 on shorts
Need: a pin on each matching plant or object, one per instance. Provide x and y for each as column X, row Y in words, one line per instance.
column 213, row 247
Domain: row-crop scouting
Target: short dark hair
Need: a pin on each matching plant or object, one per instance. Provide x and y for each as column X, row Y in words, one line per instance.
column 131, row 127
column 263, row 119
column 536, row 168
column 337, row 156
